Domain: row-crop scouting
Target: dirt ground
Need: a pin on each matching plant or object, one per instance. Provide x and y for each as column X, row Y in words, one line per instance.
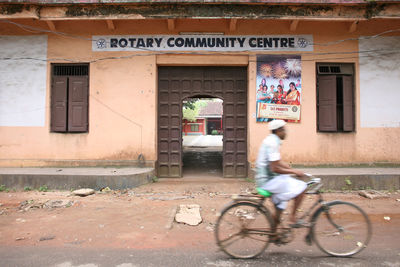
column 142, row 217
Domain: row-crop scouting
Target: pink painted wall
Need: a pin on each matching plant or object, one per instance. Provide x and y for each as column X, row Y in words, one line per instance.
column 123, row 96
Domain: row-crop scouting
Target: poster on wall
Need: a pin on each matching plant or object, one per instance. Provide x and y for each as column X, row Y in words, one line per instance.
column 278, row 87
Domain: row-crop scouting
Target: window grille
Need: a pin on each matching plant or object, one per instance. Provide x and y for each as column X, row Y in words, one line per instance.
column 70, row 70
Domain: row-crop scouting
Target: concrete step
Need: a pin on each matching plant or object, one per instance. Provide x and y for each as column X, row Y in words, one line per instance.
column 121, row 178
column 73, row 178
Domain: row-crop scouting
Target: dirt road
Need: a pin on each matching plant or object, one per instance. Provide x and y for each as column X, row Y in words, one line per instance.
column 142, row 218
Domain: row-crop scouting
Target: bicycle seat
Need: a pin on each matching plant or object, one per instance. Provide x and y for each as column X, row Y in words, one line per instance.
column 264, row 193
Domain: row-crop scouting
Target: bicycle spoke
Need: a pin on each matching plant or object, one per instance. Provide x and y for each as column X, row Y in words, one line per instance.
column 231, row 223
column 255, row 238
column 221, row 243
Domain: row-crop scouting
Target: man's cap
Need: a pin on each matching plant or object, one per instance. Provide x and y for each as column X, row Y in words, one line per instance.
column 276, row 124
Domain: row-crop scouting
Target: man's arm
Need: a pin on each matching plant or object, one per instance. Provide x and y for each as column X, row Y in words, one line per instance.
column 283, row 168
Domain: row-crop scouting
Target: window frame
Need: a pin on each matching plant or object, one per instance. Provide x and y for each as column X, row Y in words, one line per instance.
column 70, row 112
column 342, row 115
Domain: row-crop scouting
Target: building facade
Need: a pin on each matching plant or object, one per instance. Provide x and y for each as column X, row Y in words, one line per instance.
column 89, row 83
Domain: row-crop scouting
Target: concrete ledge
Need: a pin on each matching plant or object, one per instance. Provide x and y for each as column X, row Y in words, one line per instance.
column 355, row 178
column 74, row 178
column 357, row 182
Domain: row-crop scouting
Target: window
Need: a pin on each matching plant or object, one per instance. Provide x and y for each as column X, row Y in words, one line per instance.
column 335, row 98
column 69, row 98
column 194, row 127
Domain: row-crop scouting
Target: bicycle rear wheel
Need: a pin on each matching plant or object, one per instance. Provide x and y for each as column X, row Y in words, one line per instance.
column 243, row 230
column 341, row 229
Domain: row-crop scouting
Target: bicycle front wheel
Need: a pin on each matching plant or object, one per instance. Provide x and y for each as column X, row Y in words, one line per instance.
column 341, row 229
column 243, row 230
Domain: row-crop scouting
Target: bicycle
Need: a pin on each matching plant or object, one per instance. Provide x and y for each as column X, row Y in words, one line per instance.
column 338, row 228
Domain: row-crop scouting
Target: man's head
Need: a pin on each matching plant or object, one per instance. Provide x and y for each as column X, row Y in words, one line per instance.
column 278, row 127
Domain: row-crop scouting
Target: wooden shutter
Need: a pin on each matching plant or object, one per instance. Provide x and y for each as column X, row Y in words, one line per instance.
column 348, row 104
column 59, row 104
column 78, row 104
column 327, row 117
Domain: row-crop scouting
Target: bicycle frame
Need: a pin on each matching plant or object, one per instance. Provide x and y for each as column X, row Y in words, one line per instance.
column 312, row 211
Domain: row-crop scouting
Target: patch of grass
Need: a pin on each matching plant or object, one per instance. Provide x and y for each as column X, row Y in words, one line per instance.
column 391, row 190
column 348, row 181
column 43, row 188
column 27, row 188
column 154, row 179
column 327, row 190
column 3, row 188
column 250, row 180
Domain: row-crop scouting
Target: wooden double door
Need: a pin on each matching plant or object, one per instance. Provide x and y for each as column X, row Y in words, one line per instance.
column 178, row 83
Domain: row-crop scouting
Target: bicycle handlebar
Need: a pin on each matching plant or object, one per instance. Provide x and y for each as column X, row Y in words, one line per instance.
column 314, row 180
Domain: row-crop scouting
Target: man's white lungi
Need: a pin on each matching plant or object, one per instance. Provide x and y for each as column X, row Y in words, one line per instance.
column 283, row 188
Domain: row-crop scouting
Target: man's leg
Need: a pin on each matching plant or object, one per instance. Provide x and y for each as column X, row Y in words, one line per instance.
column 277, row 220
column 297, row 202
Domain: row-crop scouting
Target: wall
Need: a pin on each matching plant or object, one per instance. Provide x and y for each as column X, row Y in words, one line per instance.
column 304, row 145
column 123, row 99
column 379, row 82
column 122, row 109
column 23, row 81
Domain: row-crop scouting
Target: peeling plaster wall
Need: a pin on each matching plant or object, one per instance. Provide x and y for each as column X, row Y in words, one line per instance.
column 379, row 83
column 23, row 81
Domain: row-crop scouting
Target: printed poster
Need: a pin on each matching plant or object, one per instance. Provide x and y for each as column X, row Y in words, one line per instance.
column 278, row 87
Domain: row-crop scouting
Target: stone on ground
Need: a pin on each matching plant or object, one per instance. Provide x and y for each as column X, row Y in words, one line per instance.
column 189, row 214
column 83, row 192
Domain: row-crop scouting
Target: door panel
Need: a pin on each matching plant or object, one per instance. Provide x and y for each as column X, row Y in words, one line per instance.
column 348, row 108
column 59, row 104
column 178, row 83
column 78, row 104
column 327, row 119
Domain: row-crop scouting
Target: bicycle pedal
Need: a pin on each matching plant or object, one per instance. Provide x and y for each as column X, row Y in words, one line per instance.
column 300, row 224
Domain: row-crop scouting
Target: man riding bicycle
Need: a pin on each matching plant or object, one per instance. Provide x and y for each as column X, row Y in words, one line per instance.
column 274, row 175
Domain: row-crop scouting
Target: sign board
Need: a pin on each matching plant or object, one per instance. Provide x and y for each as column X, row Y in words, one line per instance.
column 221, row 43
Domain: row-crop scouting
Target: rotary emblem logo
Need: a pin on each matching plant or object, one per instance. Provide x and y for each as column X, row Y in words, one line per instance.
column 294, row 108
column 101, row 43
column 302, row 43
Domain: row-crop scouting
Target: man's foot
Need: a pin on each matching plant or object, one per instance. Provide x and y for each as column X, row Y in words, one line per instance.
column 275, row 240
column 308, row 240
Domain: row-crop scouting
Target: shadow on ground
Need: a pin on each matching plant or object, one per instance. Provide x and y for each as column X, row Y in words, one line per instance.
column 200, row 162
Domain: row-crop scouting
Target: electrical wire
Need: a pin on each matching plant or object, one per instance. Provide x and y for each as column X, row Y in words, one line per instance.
column 360, row 54
column 124, row 117
column 31, row 29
